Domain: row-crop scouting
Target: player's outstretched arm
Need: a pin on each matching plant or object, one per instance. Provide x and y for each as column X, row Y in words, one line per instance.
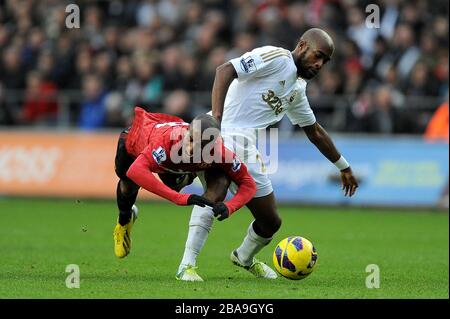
column 320, row 138
column 225, row 74
column 246, row 188
column 140, row 173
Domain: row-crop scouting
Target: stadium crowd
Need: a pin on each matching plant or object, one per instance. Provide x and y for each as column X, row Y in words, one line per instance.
column 162, row 55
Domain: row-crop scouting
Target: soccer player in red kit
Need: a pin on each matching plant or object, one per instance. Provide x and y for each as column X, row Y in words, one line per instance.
column 176, row 151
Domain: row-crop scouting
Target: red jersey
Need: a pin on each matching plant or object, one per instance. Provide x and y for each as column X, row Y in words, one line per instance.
column 155, row 140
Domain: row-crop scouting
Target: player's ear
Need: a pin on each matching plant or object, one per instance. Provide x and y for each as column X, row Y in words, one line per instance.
column 302, row 45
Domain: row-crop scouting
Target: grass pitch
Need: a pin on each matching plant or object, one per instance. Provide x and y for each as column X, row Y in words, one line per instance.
column 40, row 238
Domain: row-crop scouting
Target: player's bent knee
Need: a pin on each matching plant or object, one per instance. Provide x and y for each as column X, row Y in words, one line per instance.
column 273, row 227
column 217, row 184
column 276, row 224
column 215, row 197
column 268, row 227
column 127, row 188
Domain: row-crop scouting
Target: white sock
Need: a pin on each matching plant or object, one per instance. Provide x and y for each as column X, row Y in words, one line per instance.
column 199, row 226
column 251, row 245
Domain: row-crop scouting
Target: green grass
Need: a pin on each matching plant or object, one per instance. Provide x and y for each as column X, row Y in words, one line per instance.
column 40, row 237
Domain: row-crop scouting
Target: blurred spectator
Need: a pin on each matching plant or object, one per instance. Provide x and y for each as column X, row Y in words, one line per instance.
column 440, row 73
column 46, row 66
column 388, row 113
column 103, row 68
column 408, row 53
column 170, row 61
column 215, row 58
column 64, row 56
column 189, row 74
column 124, row 73
column 31, row 50
column 11, row 69
column 40, row 101
column 83, row 65
column 147, row 87
column 178, row 103
column 92, row 27
column 419, row 83
column 437, row 128
column 111, row 42
column 114, row 104
column 381, row 117
column 6, row 116
column 359, row 112
column 290, row 29
column 243, row 42
column 93, row 107
column 352, row 68
column 147, row 49
column 358, row 31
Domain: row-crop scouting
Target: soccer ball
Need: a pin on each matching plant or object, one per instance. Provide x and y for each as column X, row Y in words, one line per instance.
column 295, row 257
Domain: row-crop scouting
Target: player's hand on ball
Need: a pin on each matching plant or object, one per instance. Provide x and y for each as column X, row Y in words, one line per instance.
column 199, row 201
column 221, row 211
column 349, row 183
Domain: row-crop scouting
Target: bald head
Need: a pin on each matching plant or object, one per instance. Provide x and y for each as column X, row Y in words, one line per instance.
column 313, row 50
column 317, row 38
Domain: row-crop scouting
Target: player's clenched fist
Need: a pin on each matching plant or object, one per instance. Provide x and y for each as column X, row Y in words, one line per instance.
column 349, row 183
column 199, row 201
column 221, row 211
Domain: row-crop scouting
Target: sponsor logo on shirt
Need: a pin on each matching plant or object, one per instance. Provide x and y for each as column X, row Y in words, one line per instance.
column 236, row 165
column 159, row 155
column 294, row 94
column 248, row 64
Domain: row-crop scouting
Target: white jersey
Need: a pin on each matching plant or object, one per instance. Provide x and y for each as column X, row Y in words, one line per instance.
column 266, row 89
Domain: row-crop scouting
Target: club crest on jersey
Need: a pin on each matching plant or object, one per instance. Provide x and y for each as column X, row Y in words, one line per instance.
column 236, row 164
column 293, row 95
column 159, row 155
column 248, row 64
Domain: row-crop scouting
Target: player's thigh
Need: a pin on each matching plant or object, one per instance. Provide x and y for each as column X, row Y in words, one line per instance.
column 217, row 183
column 122, row 163
column 257, row 171
column 177, row 181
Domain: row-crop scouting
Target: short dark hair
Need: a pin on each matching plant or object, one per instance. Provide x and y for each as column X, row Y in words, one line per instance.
column 205, row 121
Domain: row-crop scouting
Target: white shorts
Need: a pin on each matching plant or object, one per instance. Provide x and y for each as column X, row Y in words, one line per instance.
column 243, row 144
column 263, row 183
column 256, row 170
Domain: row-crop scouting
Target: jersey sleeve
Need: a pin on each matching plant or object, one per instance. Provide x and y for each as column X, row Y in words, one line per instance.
column 239, row 174
column 260, row 62
column 300, row 111
column 141, row 172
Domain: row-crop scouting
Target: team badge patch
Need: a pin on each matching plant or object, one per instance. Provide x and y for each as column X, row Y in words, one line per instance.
column 159, row 155
column 248, row 64
column 236, row 164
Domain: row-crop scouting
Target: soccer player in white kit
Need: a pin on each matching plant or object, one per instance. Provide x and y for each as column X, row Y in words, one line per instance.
column 252, row 92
